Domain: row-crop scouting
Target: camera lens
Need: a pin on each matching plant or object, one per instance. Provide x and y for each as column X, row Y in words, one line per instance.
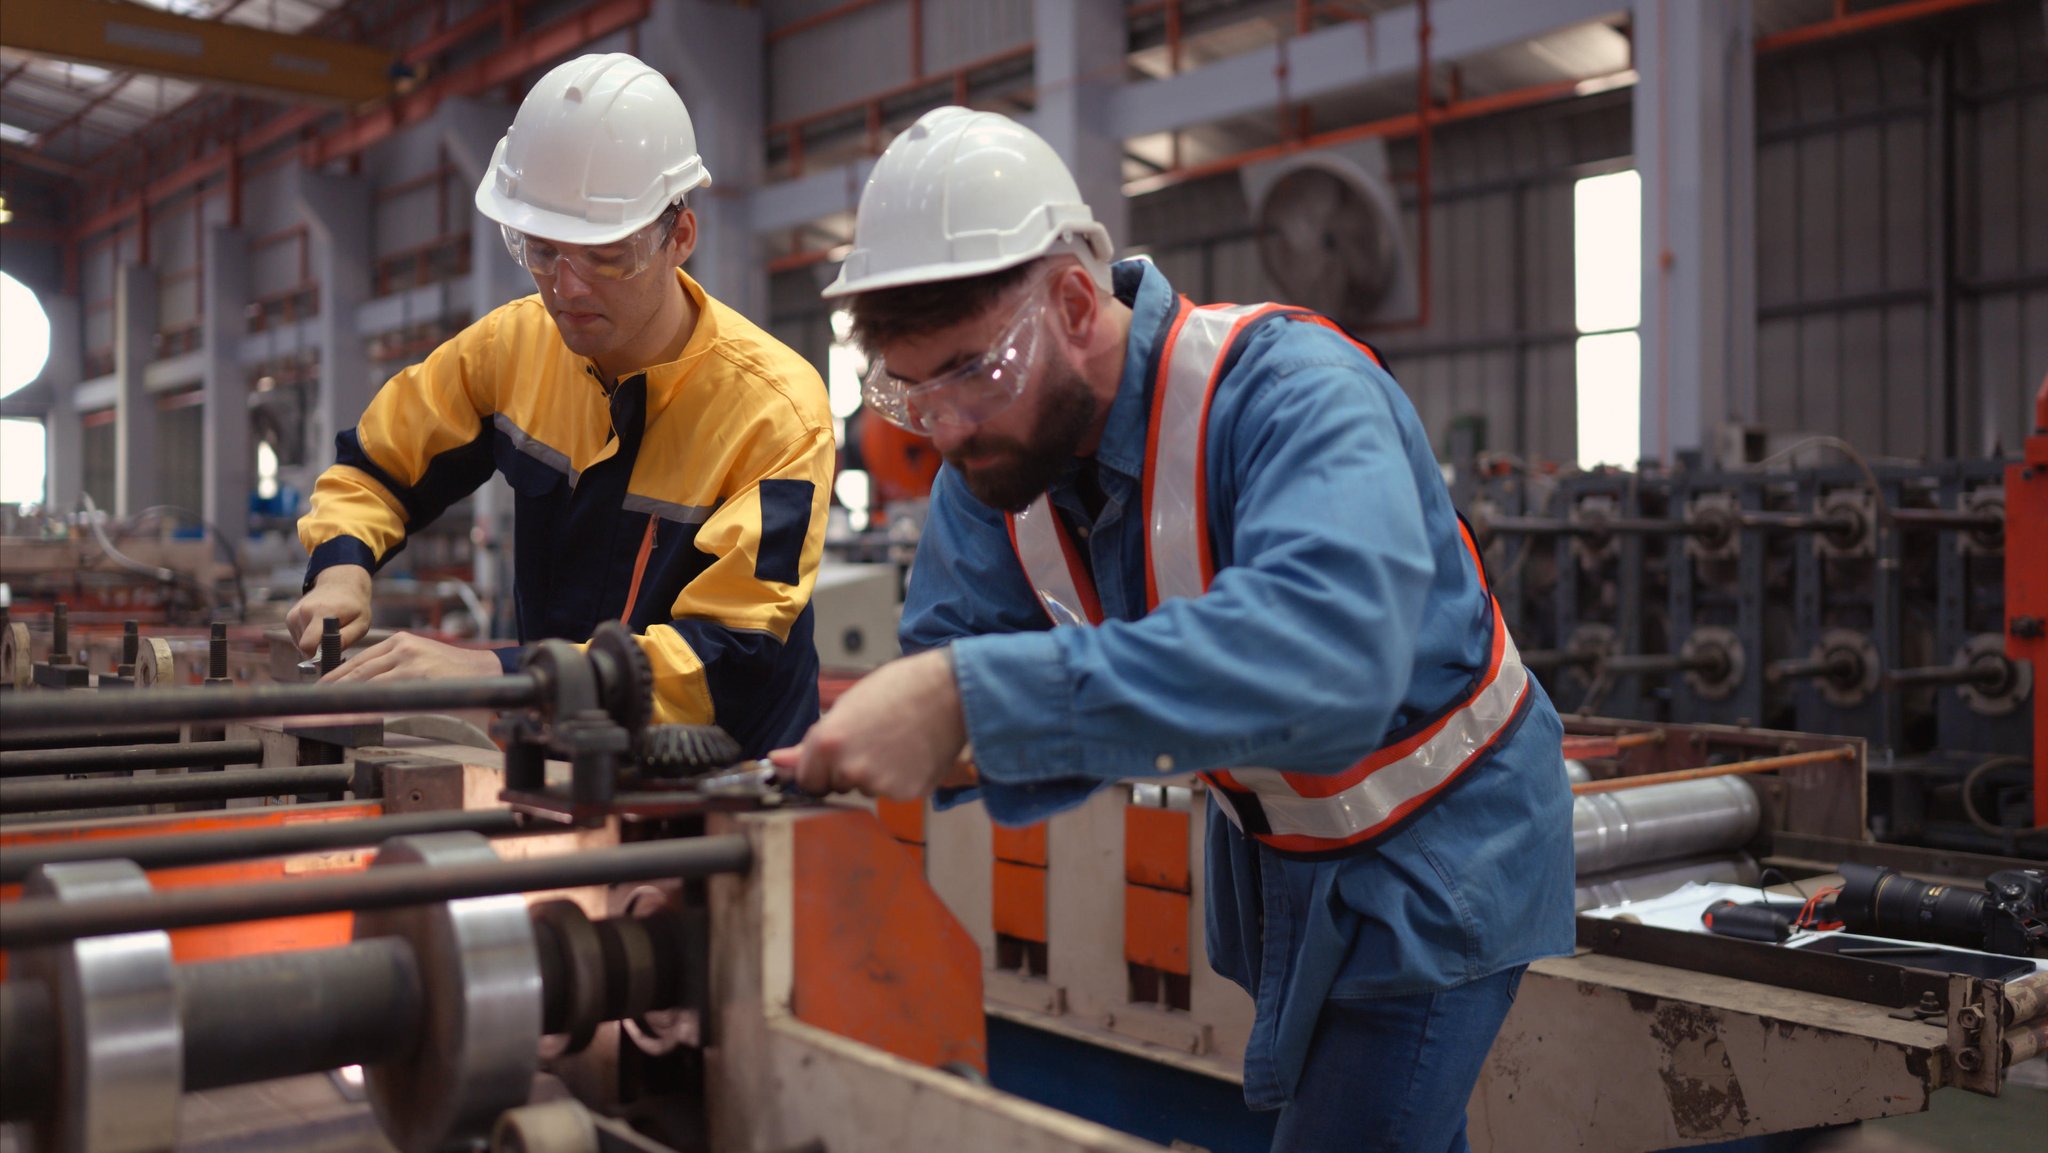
column 1886, row 903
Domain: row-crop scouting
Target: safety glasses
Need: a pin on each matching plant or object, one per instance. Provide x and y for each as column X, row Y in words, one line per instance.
column 971, row 393
column 619, row 260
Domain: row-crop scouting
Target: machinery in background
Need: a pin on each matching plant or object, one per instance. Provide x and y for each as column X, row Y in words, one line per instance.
column 1873, row 601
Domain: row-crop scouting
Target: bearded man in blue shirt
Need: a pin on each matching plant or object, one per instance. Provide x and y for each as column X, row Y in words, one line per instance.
column 1171, row 538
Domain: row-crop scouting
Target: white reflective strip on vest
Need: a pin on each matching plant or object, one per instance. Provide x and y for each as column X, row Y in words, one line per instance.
column 1174, row 549
column 1045, row 563
column 1374, row 800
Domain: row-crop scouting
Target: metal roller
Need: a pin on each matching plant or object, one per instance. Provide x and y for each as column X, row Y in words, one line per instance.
column 115, row 1000
column 124, row 758
column 480, row 978
column 175, row 850
column 1662, row 822
column 53, row 796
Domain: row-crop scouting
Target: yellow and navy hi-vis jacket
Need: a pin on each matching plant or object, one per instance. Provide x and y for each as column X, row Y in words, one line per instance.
column 690, row 503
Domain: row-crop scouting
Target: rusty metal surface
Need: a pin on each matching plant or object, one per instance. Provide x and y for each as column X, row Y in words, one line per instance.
column 1608, row 1054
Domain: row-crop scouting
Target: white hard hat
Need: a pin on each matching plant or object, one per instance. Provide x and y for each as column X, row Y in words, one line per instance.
column 963, row 193
column 600, row 147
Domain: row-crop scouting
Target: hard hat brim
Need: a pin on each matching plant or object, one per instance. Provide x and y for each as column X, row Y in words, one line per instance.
column 559, row 227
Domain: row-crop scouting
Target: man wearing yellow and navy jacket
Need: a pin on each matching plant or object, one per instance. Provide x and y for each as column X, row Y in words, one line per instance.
column 671, row 462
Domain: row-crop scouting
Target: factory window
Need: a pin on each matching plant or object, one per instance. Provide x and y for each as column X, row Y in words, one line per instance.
column 25, row 347
column 1607, row 245
column 844, row 365
column 266, row 471
column 21, row 462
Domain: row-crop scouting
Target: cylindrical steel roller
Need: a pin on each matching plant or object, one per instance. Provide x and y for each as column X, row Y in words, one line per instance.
column 51, row 796
column 2027, row 1041
column 40, row 922
column 2026, row 999
column 176, row 850
column 28, row 1034
column 116, row 1006
column 479, row 1046
column 283, row 1014
column 1662, row 822
column 35, row 712
column 125, row 758
column 81, row 737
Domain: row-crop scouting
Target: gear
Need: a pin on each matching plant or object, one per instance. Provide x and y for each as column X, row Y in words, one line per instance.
column 685, row 750
column 625, row 678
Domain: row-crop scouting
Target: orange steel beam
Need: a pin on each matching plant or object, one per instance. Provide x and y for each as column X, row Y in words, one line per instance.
column 817, row 18
column 1739, row 768
column 1842, row 25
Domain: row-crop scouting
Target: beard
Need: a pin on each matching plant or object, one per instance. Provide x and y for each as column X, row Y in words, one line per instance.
column 1025, row 469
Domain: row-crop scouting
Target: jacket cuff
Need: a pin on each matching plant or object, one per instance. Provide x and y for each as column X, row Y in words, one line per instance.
column 339, row 551
column 510, row 656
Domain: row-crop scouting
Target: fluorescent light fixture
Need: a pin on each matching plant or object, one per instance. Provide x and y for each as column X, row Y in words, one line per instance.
column 87, row 73
column 16, row 134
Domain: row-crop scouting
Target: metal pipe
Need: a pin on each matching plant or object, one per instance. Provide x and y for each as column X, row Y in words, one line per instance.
column 123, row 758
column 178, row 850
column 31, row 712
column 1948, row 518
column 1838, row 665
column 95, row 737
column 1985, row 673
column 1682, row 819
column 51, row 796
column 41, row 922
column 1739, row 768
column 2025, row 1042
column 1843, row 25
column 283, row 1014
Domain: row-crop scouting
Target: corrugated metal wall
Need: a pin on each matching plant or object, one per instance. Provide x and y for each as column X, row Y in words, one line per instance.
column 1499, row 344
column 1867, row 327
column 869, row 51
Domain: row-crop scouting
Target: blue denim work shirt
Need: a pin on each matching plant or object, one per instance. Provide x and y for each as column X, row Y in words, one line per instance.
column 1345, row 610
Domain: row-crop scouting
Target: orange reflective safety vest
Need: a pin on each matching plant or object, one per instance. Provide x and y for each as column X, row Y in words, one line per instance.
column 1293, row 812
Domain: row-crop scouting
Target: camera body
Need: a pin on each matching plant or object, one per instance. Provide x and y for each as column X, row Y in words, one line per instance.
column 2009, row 915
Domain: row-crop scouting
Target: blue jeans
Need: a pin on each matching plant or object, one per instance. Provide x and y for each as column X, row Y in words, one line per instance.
column 1392, row 1074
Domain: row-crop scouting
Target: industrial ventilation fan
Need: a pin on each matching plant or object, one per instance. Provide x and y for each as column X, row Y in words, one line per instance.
column 1329, row 232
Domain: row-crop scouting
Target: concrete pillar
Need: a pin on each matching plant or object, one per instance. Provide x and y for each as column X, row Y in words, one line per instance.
column 135, row 474
column 63, row 435
column 470, row 130
column 715, row 55
column 1079, row 66
column 1695, row 146
column 337, row 209
column 230, row 463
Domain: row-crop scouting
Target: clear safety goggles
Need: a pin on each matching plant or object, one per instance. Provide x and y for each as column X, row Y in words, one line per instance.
column 619, row 260
column 971, row 393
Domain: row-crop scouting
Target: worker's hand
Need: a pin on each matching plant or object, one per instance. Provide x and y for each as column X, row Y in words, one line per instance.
column 897, row 733
column 403, row 656
column 342, row 591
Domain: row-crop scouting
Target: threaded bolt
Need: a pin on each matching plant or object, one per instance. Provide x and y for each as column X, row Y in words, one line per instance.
column 131, row 643
column 330, row 645
column 217, row 652
column 60, row 634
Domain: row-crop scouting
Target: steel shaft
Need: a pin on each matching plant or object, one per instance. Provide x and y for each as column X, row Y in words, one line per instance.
column 36, row 712
column 51, row 796
column 42, row 922
column 123, row 758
